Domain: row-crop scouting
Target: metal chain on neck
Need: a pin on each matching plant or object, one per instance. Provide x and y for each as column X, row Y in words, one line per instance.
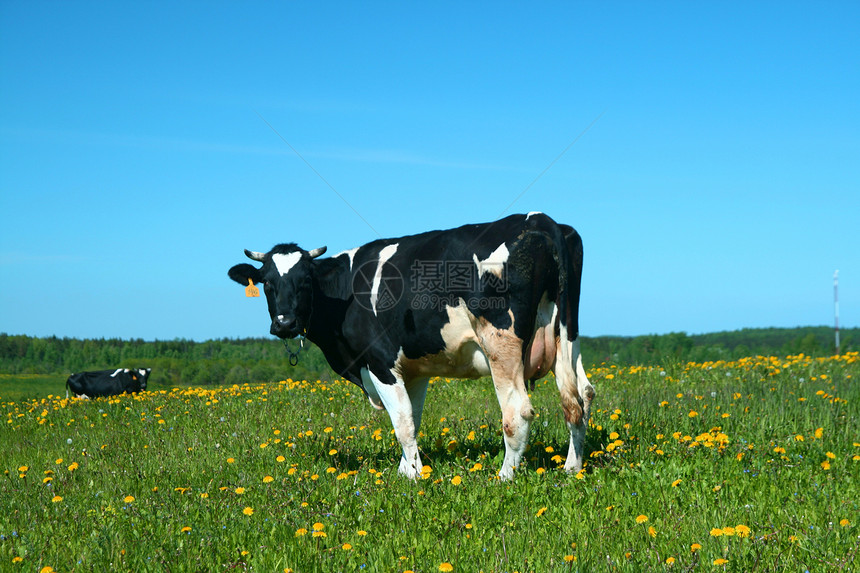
column 294, row 355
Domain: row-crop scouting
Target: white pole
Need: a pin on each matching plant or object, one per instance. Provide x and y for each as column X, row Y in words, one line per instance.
column 836, row 306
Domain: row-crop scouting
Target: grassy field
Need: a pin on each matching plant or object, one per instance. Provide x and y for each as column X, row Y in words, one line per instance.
column 744, row 466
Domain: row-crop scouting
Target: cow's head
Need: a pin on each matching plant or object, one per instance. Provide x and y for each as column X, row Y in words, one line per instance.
column 286, row 276
column 144, row 376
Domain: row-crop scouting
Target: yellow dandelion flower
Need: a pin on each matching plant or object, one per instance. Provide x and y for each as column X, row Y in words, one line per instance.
column 231, row 460
column 268, row 479
column 56, row 499
column 319, row 534
column 346, row 546
column 693, row 414
column 844, row 522
column 47, row 569
column 280, row 459
column 128, row 499
column 456, row 480
column 318, row 526
column 541, row 511
column 331, row 470
column 248, row 511
column 185, row 529
column 716, row 532
column 825, row 465
column 831, row 455
column 720, row 561
column 728, row 531
column 695, row 547
column 742, row 531
column 73, row 466
column 670, row 561
column 641, row 518
column 569, row 558
column 652, row 531
column 332, row 452
column 446, row 567
column 676, row 483
column 540, row 471
column 23, row 469
column 301, row 531
column 819, row 433
column 240, row 490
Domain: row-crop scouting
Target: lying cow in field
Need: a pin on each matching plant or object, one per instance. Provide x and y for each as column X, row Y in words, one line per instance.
column 499, row 299
column 107, row 382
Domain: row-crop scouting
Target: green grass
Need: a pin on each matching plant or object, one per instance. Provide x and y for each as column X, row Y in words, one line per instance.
column 163, row 481
column 20, row 387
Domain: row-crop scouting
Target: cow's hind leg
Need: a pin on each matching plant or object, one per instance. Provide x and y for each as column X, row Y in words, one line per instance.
column 576, row 396
column 404, row 407
column 504, row 351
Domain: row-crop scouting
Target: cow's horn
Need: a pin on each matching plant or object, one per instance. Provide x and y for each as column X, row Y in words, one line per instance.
column 316, row 252
column 255, row 256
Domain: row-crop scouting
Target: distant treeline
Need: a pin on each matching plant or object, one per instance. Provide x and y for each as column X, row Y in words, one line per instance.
column 236, row 361
column 730, row 345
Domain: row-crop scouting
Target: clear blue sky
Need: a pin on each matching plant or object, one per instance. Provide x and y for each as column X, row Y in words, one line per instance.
column 715, row 174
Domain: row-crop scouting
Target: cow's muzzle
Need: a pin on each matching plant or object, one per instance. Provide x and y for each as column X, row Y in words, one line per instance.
column 284, row 326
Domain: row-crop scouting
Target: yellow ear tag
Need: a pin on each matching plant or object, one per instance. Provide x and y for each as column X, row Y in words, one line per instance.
column 251, row 290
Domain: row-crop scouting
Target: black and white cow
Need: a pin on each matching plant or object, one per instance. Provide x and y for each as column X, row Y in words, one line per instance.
column 499, row 299
column 107, row 382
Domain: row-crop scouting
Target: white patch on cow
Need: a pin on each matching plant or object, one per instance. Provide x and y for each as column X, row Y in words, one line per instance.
column 533, row 213
column 404, row 409
column 117, row 371
column 461, row 344
column 462, row 356
column 350, row 253
column 285, row 262
column 385, row 254
column 495, row 263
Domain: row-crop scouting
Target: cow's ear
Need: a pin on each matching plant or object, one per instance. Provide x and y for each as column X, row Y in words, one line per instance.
column 241, row 273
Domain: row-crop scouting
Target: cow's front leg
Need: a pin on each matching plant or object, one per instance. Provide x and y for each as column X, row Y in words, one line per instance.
column 398, row 402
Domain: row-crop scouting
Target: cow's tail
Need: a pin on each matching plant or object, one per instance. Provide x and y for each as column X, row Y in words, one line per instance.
column 574, row 388
column 576, row 391
column 67, row 388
